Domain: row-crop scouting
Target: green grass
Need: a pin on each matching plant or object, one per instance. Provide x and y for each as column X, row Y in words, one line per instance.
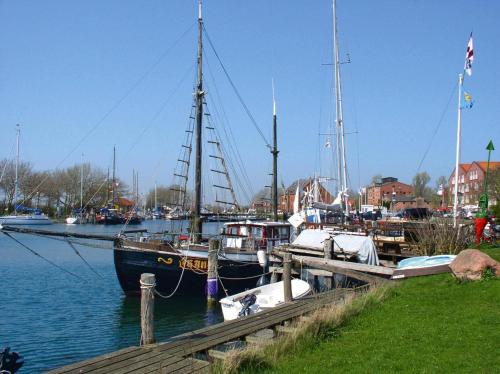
column 428, row 324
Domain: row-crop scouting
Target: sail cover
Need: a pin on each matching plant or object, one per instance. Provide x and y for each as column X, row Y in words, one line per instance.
column 361, row 246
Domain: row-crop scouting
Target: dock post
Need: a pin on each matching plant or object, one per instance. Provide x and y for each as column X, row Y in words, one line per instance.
column 328, row 251
column 287, row 276
column 212, row 282
column 148, row 283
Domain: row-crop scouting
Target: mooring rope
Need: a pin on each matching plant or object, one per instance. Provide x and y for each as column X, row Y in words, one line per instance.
column 85, row 261
column 43, row 258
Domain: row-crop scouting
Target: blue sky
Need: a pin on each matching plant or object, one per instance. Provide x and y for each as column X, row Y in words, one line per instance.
column 125, row 70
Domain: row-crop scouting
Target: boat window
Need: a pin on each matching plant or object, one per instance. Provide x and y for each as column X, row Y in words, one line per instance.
column 243, row 230
column 257, row 232
column 232, row 230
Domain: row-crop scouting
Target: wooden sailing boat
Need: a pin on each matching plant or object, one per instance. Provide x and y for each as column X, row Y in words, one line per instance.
column 180, row 263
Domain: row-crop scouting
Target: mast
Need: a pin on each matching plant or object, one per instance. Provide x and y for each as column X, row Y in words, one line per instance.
column 16, row 182
column 197, row 227
column 341, row 154
column 275, row 152
column 457, row 155
column 114, row 180
column 81, row 186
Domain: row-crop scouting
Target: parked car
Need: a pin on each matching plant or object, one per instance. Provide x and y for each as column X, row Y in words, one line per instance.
column 414, row 213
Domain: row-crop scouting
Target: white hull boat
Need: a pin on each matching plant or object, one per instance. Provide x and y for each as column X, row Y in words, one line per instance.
column 72, row 220
column 425, row 261
column 264, row 297
column 29, row 219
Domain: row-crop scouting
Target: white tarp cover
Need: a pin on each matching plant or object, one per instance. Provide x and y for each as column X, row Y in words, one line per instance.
column 361, row 246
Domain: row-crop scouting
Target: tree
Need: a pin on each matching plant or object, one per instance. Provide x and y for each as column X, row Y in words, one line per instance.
column 420, row 181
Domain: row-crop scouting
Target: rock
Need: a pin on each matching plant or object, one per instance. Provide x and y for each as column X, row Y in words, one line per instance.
column 471, row 263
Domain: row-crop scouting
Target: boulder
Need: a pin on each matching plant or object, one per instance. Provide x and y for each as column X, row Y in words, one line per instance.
column 471, row 263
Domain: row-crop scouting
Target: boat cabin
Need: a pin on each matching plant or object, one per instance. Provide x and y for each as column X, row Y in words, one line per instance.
column 258, row 235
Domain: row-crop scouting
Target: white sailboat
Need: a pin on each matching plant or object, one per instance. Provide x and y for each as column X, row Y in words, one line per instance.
column 30, row 216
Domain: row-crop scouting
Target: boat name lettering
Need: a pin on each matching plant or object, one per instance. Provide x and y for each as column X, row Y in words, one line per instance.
column 194, row 264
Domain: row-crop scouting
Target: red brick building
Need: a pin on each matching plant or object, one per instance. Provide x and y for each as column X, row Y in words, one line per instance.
column 388, row 189
column 286, row 200
column 470, row 181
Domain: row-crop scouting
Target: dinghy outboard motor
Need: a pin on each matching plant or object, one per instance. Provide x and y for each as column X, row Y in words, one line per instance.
column 10, row 362
column 247, row 302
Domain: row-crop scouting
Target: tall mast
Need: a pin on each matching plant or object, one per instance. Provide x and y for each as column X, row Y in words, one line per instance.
column 341, row 154
column 457, row 155
column 81, row 186
column 114, row 181
column 275, row 152
column 16, row 182
column 199, row 122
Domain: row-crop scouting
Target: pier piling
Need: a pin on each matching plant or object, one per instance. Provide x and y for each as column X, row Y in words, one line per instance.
column 328, row 250
column 212, row 283
column 287, row 276
column 148, row 283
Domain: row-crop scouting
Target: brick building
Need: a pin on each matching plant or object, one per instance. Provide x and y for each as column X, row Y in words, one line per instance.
column 286, row 200
column 470, row 181
column 388, row 189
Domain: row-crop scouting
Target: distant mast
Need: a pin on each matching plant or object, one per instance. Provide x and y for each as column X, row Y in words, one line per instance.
column 16, row 181
column 341, row 158
column 275, row 152
column 197, row 226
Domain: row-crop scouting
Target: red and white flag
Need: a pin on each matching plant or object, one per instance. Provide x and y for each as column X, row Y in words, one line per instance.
column 469, row 57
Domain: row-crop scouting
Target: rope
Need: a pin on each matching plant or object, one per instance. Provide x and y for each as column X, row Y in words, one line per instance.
column 244, row 278
column 85, row 261
column 222, row 284
column 249, row 114
column 43, row 258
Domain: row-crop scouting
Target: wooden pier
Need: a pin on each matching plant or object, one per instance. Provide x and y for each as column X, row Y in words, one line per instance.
column 182, row 353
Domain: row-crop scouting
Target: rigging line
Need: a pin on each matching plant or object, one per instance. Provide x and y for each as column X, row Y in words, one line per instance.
column 43, row 258
column 249, row 114
column 113, row 107
column 85, row 261
column 437, row 126
column 227, row 129
column 163, row 106
column 230, row 149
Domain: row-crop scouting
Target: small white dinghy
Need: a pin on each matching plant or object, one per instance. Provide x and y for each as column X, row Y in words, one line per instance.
column 260, row 298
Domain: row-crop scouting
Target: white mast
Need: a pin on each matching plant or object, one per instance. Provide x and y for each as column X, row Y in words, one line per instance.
column 81, row 186
column 341, row 158
column 457, row 156
column 16, row 182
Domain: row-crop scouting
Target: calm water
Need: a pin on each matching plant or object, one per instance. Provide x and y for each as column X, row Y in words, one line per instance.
column 53, row 318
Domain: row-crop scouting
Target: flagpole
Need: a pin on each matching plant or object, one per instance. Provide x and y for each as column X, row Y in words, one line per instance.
column 457, row 158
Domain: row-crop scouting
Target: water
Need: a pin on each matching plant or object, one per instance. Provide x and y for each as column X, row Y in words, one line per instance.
column 53, row 318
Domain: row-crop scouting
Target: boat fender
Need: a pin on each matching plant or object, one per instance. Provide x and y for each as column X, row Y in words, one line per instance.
column 247, row 302
column 10, row 362
column 262, row 256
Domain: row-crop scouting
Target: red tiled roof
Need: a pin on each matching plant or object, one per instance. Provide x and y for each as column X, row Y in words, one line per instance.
column 493, row 164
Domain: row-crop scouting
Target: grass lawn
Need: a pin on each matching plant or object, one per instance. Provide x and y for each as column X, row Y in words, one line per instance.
column 428, row 324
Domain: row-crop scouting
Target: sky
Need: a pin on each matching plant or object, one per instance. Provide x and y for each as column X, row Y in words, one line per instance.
column 84, row 76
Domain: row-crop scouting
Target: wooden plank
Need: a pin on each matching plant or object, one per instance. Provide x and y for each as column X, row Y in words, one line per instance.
column 136, row 363
column 169, row 356
column 252, row 323
column 380, row 270
column 122, row 353
column 416, row 272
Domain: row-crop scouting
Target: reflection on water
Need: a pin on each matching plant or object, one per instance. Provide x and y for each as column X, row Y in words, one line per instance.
column 55, row 319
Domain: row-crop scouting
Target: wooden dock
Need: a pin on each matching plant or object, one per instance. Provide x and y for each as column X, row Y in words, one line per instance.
column 181, row 354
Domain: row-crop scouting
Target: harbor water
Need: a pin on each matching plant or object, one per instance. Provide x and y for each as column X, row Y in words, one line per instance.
column 56, row 316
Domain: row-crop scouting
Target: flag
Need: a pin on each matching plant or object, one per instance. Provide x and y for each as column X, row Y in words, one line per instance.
column 469, row 57
column 468, row 100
